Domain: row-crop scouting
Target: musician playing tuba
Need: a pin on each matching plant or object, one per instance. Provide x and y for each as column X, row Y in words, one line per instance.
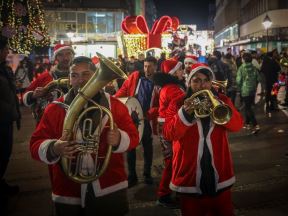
column 198, row 124
column 52, row 143
column 36, row 96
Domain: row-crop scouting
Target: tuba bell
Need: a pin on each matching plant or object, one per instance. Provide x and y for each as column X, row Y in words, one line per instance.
column 89, row 147
column 220, row 85
column 205, row 104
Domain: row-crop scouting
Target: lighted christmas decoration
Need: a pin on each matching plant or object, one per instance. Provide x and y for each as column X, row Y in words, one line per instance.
column 22, row 22
column 138, row 38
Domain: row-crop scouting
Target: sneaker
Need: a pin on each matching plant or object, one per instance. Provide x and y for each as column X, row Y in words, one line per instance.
column 255, row 130
column 148, row 180
column 167, row 202
column 247, row 126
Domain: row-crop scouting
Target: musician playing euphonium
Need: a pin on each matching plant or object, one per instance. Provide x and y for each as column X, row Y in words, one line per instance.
column 62, row 58
column 107, row 195
column 202, row 170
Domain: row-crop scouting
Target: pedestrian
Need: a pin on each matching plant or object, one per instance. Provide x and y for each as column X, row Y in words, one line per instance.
column 202, row 172
column 141, row 86
column 48, row 144
column 271, row 69
column 35, row 93
column 9, row 113
column 170, row 81
column 247, row 81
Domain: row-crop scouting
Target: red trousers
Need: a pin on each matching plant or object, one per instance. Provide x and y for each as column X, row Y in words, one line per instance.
column 220, row 205
column 163, row 188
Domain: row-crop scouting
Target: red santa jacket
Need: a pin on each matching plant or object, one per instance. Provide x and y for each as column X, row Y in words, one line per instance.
column 41, row 81
column 167, row 94
column 188, row 144
column 65, row 190
column 130, row 88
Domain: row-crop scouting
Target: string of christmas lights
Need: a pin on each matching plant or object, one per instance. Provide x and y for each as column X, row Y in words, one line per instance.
column 22, row 22
column 135, row 43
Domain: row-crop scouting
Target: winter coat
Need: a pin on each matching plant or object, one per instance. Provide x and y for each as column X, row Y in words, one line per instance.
column 247, row 79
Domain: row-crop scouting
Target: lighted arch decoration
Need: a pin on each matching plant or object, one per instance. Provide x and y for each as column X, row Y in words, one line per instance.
column 137, row 36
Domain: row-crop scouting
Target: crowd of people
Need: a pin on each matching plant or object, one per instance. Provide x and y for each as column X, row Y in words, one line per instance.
column 175, row 95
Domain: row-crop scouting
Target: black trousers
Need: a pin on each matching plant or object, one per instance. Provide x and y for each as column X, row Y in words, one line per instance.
column 6, row 141
column 112, row 204
column 249, row 110
column 146, row 141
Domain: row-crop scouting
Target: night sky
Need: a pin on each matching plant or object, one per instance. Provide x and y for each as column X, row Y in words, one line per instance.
column 188, row 11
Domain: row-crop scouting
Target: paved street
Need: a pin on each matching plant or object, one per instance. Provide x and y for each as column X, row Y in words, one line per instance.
column 260, row 164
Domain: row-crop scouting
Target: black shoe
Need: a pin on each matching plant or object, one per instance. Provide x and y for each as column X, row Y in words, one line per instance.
column 168, row 202
column 148, row 179
column 132, row 181
column 8, row 189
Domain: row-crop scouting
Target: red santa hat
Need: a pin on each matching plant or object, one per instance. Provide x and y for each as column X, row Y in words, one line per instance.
column 59, row 47
column 170, row 66
column 191, row 58
column 196, row 68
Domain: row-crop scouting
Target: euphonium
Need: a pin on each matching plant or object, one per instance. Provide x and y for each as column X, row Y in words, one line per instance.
column 205, row 104
column 55, row 86
column 89, row 148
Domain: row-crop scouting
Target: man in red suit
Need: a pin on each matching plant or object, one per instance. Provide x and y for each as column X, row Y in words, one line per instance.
column 48, row 144
column 171, row 81
column 62, row 56
column 202, row 169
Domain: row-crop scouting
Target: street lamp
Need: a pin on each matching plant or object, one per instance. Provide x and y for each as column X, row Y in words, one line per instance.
column 267, row 24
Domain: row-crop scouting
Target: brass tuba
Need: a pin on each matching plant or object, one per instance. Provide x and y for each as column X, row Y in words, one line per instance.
column 89, row 147
column 53, row 88
column 205, row 104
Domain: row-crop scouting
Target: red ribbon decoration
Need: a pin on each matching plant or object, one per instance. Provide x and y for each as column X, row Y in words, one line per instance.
column 138, row 25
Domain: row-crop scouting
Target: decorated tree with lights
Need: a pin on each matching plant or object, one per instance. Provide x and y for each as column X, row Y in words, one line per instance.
column 22, row 22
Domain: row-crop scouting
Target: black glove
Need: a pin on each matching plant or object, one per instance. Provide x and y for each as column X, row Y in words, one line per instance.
column 18, row 124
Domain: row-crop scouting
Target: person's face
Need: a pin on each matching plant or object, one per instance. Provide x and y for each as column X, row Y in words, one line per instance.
column 188, row 66
column 64, row 58
column 80, row 74
column 200, row 82
column 149, row 69
column 179, row 74
column 4, row 53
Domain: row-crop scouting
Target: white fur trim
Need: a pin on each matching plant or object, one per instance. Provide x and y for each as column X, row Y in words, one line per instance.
column 192, row 72
column 42, row 151
column 62, row 48
column 199, row 156
column 161, row 120
column 178, row 65
column 190, row 60
column 124, row 142
column 98, row 191
column 25, row 98
column 66, row 199
column 182, row 189
column 226, row 183
column 183, row 119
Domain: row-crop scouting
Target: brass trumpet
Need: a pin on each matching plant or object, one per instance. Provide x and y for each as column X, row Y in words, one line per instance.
column 89, row 149
column 205, row 104
column 222, row 85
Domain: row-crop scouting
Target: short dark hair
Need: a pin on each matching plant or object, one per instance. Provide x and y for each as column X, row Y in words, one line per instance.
column 3, row 42
column 84, row 59
column 151, row 59
column 247, row 57
column 217, row 54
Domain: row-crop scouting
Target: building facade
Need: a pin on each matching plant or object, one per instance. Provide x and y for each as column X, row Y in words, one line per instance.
column 90, row 26
column 238, row 24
